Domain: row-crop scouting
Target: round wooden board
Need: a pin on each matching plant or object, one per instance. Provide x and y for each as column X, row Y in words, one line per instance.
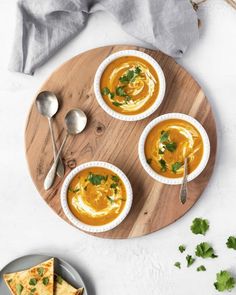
column 155, row 205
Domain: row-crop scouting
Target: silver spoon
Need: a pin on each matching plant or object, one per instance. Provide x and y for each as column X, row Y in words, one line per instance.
column 76, row 121
column 47, row 105
column 183, row 189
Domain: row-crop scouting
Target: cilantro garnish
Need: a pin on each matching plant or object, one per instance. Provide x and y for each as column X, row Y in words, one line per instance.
column 163, row 165
column 164, row 136
column 182, row 248
column 45, row 281
column 231, row 242
column 105, row 91
column 115, row 178
column 171, row 146
column 178, row 264
column 59, row 279
column 200, row 226
column 201, row 268
column 176, row 166
column 110, row 199
column 190, row 260
column 224, row 281
column 40, row 270
column 19, row 289
column 96, row 179
column 120, row 91
column 205, row 250
column 32, row 282
column 117, row 104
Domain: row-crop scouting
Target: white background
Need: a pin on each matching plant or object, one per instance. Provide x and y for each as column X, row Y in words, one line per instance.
column 143, row 265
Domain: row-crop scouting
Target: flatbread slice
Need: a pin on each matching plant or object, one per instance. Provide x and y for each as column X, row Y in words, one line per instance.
column 61, row 287
column 38, row 280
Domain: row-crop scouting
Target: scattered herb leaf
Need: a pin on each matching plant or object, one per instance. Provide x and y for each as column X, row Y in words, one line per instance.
column 178, row 264
column 110, row 199
column 199, row 226
column 231, row 242
column 182, row 248
column 224, row 281
column 190, row 260
column 160, row 152
column 201, row 268
column 205, row 250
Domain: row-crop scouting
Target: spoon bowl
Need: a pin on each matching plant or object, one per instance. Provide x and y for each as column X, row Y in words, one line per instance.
column 47, row 103
column 76, row 121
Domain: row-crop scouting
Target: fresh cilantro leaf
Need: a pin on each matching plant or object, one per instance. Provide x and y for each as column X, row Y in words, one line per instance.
column 115, row 178
column 33, row 290
column 130, row 75
column 171, row 146
column 160, row 152
column 117, row 104
column 110, row 199
column 124, row 79
column 137, row 70
column 205, row 250
column 182, row 248
column 59, row 279
column 40, row 270
column 120, row 91
column 163, row 165
column 178, row 264
column 32, row 282
column 111, row 95
column 113, row 185
column 45, row 281
column 176, row 166
column 19, row 289
column 224, row 281
column 149, row 161
column 190, row 260
column 105, row 91
column 164, row 136
column 231, row 242
column 95, row 179
column 199, row 226
column 201, row 268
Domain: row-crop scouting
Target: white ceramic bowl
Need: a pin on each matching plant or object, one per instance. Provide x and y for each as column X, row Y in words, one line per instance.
column 200, row 167
column 115, row 114
column 100, row 228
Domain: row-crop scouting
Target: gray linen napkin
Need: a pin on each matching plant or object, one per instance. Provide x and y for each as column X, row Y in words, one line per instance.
column 44, row 26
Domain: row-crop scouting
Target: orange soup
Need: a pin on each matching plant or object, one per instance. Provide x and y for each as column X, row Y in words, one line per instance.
column 129, row 85
column 169, row 143
column 96, row 196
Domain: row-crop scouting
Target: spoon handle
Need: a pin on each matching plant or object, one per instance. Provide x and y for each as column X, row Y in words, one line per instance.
column 183, row 190
column 49, row 180
column 60, row 167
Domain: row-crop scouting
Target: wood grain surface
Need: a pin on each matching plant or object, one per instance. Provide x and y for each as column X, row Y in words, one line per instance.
column 155, row 205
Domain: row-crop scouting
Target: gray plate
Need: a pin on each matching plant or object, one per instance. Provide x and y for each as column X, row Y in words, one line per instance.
column 62, row 268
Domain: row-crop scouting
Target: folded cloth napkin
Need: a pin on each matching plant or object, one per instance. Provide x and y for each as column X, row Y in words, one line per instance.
column 44, row 26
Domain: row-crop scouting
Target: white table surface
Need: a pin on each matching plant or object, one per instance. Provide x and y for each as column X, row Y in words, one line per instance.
column 142, row 265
